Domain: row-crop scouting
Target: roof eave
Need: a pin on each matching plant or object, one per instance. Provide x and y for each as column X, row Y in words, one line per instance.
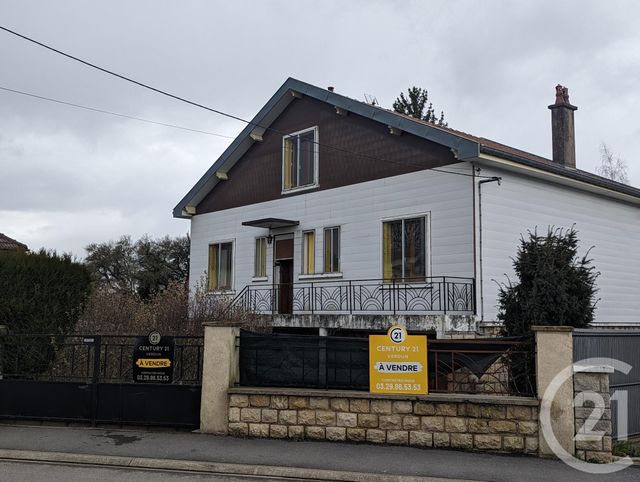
column 563, row 171
column 462, row 148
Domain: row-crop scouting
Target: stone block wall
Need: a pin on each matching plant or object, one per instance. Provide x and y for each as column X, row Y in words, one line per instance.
column 592, row 399
column 483, row 423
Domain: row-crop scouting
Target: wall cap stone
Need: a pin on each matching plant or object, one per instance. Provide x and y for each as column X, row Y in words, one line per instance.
column 222, row 324
column 433, row 397
column 593, row 369
column 552, row 329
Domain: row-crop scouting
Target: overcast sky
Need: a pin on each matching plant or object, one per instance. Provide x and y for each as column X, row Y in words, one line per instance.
column 69, row 177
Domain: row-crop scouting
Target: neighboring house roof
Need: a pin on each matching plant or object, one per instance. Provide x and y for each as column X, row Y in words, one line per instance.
column 9, row 244
column 466, row 147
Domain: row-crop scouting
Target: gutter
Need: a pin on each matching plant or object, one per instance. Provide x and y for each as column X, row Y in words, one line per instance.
column 480, row 271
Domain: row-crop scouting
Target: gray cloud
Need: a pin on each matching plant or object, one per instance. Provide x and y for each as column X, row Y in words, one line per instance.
column 70, row 177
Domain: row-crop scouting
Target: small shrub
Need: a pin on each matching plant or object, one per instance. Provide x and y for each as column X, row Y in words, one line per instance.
column 170, row 311
column 629, row 448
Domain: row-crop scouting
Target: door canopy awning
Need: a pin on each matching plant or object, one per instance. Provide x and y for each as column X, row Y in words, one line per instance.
column 271, row 223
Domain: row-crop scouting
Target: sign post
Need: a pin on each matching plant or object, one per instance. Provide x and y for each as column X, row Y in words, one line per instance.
column 153, row 359
column 398, row 362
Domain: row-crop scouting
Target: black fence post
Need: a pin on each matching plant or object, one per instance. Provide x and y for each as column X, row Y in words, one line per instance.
column 393, row 294
column 97, row 343
column 473, row 296
column 274, row 295
column 445, row 289
column 322, row 361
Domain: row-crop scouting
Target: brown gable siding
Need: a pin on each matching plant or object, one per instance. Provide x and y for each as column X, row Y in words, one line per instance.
column 257, row 177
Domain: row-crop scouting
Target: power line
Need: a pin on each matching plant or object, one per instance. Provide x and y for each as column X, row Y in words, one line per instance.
column 123, row 77
column 93, row 109
column 216, row 111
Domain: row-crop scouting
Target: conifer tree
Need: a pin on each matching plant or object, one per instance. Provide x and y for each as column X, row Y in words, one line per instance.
column 414, row 105
column 554, row 285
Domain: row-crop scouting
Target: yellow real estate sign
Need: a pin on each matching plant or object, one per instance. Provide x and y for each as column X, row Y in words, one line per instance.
column 398, row 362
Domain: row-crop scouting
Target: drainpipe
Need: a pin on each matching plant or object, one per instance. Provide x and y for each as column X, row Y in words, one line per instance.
column 480, row 281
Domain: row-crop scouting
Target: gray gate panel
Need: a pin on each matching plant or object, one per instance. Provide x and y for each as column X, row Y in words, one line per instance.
column 618, row 345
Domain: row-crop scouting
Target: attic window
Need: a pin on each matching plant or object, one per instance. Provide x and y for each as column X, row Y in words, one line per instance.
column 300, row 160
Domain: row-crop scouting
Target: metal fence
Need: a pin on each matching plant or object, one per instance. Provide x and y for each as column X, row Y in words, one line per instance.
column 48, row 357
column 500, row 367
column 424, row 295
column 90, row 379
column 303, row 361
column 624, row 387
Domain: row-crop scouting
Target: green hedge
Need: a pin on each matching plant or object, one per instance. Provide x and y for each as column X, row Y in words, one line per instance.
column 39, row 293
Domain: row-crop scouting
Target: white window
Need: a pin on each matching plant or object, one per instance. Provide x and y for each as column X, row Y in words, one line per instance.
column 332, row 250
column 404, row 249
column 308, row 252
column 220, row 266
column 260, row 265
column 300, row 160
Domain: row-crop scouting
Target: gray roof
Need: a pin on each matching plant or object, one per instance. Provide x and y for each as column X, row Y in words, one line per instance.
column 10, row 244
column 464, row 146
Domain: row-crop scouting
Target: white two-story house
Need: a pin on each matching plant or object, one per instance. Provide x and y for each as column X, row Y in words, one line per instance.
column 330, row 213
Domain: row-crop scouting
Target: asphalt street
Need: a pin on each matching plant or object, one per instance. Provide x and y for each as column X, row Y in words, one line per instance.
column 373, row 459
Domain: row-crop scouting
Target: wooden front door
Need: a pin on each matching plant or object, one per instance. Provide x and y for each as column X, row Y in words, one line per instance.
column 285, row 286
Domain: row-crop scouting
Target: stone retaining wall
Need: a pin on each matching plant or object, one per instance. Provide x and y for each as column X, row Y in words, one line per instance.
column 591, row 386
column 484, row 423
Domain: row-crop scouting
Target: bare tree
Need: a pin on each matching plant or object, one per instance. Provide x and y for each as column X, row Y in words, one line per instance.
column 612, row 167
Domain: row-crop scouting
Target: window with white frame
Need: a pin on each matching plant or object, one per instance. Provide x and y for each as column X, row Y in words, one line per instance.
column 332, row 250
column 260, row 263
column 300, row 159
column 308, row 252
column 220, row 266
column 404, row 249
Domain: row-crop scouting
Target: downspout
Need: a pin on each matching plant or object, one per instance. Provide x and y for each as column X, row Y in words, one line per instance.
column 480, row 281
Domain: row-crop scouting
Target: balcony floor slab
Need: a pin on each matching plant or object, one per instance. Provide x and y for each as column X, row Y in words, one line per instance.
column 441, row 324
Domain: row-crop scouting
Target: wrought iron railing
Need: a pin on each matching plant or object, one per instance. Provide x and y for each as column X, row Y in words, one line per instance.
column 500, row 366
column 434, row 295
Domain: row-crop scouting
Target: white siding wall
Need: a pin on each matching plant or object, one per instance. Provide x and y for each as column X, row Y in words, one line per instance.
column 611, row 227
column 358, row 210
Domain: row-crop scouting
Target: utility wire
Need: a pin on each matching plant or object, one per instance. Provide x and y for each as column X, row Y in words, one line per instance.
column 216, row 111
column 93, row 109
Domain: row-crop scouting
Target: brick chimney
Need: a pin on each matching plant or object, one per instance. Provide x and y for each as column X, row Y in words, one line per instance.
column 562, row 129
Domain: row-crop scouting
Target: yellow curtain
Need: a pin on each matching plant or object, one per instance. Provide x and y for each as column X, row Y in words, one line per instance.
column 213, row 267
column 310, row 252
column 287, row 163
column 327, row 251
column 256, row 261
column 263, row 258
column 387, row 272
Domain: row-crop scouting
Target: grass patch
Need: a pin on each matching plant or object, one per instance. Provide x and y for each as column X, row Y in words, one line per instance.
column 627, row 447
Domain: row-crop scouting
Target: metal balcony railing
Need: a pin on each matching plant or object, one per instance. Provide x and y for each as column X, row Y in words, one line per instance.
column 433, row 295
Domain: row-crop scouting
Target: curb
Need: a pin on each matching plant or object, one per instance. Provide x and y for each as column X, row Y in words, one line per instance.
column 635, row 460
column 210, row 467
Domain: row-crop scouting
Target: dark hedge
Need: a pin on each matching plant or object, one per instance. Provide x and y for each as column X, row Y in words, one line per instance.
column 40, row 292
